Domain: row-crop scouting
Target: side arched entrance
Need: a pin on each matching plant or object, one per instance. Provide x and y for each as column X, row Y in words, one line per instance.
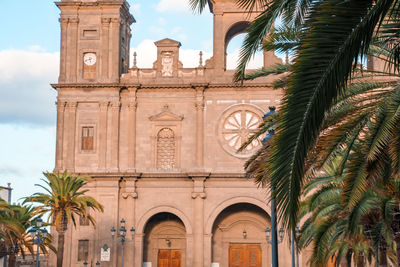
column 164, row 243
column 237, row 237
column 164, row 239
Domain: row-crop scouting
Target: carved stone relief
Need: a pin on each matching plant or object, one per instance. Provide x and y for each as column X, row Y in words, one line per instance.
column 167, row 64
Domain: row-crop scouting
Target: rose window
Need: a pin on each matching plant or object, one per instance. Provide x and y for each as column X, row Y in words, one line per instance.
column 236, row 129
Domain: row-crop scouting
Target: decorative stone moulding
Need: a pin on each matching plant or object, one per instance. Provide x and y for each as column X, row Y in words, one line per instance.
column 237, row 123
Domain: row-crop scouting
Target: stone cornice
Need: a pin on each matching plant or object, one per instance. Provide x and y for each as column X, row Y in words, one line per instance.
column 162, row 175
column 155, row 86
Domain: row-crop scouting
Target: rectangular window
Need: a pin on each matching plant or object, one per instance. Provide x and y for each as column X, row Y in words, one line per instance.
column 87, row 138
column 83, row 250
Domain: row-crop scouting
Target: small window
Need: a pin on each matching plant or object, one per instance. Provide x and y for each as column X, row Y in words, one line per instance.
column 90, row 33
column 83, row 221
column 87, row 138
column 83, row 250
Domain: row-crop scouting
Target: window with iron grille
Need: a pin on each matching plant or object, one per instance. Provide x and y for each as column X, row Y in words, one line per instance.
column 83, row 250
column 87, row 138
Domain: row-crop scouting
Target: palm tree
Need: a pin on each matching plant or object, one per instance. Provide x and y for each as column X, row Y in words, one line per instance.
column 335, row 34
column 9, row 227
column 17, row 220
column 64, row 202
column 356, row 234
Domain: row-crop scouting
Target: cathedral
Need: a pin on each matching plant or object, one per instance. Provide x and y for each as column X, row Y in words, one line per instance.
column 160, row 145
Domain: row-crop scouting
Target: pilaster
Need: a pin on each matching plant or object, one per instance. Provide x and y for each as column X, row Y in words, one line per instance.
column 132, row 106
column 114, row 49
column 103, row 132
column 219, row 43
column 105, row 28
column 70, row 131
column 60, row 135
column 198, row 196
column 72, row 59
column 199, row 104
column 113, row 136
column 128, row 197
column 63, row 48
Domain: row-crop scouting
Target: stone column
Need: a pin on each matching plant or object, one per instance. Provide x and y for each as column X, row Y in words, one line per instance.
column 199, row 126
column 113, row 136
column 60, row 135
column 103, row 130
column 70, row 130
column 63, row 50
column 73, row 45
column 105, row 27
column 198, row 196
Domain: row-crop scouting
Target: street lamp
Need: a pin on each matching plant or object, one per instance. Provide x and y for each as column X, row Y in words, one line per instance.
column 122, row 234
column 37, row 232
column 267, row 233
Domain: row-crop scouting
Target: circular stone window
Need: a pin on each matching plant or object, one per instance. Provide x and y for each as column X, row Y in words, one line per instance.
column 236, row 126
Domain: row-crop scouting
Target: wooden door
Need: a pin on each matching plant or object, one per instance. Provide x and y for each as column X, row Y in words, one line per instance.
column 169, row 258
column 244, row 255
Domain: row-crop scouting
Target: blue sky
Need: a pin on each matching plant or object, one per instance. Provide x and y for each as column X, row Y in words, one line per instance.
column 29, row 54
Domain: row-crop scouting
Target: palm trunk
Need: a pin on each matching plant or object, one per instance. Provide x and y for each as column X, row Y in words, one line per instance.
column 360, row 261
column 398, row 250
column 12, row 259
column 383, row 258
column 60, row 248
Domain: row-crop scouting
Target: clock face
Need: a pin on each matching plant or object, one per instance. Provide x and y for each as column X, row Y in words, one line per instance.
column 89, row 59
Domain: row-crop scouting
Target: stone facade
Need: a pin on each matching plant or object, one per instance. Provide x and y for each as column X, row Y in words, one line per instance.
column 160, row 144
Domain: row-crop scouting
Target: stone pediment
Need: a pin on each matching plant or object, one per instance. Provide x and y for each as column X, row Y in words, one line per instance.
column 167, row 42
column 166, row 115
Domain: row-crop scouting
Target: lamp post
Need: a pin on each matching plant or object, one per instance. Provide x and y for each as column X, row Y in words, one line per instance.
column 271, row 237
column 122, row 234
column 274, row 236
column 297, row 246
column 37, row 232
column 292, row 247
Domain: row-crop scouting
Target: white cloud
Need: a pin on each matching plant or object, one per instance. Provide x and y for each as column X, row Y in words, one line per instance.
column 25, row 93
column 147, row 54
column 181, row 6
column 232, row 60
column 135, row 9
column 27, row 152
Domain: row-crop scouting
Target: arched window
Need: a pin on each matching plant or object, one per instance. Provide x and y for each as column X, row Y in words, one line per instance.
column 165, row 149
column 233, row 42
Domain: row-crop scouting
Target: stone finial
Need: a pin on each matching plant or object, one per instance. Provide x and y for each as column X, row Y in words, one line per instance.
column 201, row 59
column 134, row 59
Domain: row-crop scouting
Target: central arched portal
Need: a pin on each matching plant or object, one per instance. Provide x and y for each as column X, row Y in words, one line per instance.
column 238, row 237
column 164, row 241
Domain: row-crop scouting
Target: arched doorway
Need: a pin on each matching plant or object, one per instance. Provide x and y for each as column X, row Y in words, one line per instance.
column 238, row 237
column 164, row 243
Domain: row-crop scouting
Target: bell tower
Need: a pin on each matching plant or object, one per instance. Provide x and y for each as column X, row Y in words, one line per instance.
column 229, row 21
column 95, row 37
